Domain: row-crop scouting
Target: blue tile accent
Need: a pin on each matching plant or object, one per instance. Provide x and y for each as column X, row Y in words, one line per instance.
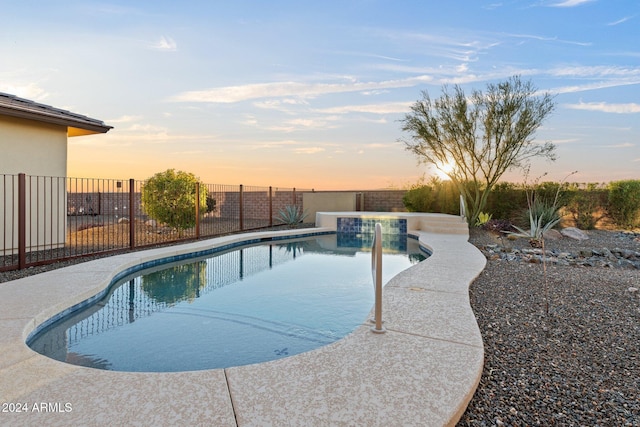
column 365, row 240
column 368, row 225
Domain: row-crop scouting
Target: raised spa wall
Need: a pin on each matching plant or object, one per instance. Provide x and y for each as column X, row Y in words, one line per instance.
column 392, row 222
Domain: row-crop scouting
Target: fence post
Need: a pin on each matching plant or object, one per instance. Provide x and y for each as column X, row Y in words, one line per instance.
column 270, row 206
column 197, row 210
column 22, row 221
column 241, row 209
column 132, row 214
column 294, row 197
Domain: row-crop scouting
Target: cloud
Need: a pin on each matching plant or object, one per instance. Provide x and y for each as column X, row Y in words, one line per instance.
column 101, row 9
column 282, row 105
column 375, row 92
column 595, row 71
column 148, row 133
column 620, row 21
column 165, row 44
column 604, row 107
column 29, row 91
column 370, row 55
column 306, row 123
column 146, row 128
column 623, row 145
column 601, row 76
column 309, row 150
column 594, row 86
column 188, row 152
column 549, row 39
column 383, row 108
column 564, row 141
column 456, row 46
column 232, row 94
column 124, row 119
column 275, row 144
column 570, row 3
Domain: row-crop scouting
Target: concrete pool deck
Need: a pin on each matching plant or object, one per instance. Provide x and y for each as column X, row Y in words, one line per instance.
column 422, row 372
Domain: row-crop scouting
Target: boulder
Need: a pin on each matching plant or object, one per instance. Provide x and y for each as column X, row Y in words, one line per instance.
column 574, row 233
column 151, row 223
column 552, row 235
column 123, row 221
column 626, row 253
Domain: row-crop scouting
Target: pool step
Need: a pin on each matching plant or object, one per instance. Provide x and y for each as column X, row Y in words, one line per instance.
column 444, row 224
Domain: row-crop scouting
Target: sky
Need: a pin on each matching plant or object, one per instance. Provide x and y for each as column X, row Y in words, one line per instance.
column 310, row 94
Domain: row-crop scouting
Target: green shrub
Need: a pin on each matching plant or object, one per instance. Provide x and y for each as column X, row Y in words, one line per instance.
column 435, row 196
column 170, row 197
column 624, row 203
column 507, row 201
column 587, row 204
column 419, row 198
column 550, row 191
column 446, row 197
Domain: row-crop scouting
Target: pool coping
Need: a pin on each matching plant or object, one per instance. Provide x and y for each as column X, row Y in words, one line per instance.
column 423, row 371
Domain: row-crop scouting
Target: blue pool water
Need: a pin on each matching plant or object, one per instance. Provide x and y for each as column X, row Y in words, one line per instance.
column 247, row 305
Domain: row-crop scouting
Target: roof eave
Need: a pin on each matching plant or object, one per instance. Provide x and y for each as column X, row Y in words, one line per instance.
column 92, row 127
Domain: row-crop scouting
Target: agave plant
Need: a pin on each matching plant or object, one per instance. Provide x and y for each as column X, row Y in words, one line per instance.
column 542, row 218
column 291, row 215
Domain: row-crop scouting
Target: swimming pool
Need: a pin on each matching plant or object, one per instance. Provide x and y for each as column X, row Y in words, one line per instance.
column 242, row 306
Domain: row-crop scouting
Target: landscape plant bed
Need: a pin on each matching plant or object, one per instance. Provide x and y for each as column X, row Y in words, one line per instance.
column 578, row 365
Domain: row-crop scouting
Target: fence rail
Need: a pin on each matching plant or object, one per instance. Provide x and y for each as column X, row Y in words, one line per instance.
column 48, row 219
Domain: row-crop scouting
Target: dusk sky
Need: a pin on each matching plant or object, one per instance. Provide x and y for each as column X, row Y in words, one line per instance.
column 310, row 94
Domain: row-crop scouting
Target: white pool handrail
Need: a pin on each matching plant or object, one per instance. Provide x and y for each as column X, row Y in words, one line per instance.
column 376, row 272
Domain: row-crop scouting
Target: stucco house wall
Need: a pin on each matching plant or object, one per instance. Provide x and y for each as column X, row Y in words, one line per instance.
column 33, row 141
column 32, row 147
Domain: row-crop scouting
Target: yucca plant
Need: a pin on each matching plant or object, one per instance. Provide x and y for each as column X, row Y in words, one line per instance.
column 291, row 215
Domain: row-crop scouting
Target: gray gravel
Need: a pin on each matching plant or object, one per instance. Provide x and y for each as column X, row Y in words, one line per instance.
column 576, row 366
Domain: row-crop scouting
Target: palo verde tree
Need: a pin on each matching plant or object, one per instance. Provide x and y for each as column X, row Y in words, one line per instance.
column 480, row 136
column 170, row 197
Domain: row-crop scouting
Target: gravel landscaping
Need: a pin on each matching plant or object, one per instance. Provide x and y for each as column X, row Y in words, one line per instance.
column 576, row 366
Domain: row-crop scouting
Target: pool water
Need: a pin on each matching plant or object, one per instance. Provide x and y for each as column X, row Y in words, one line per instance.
column 248, row 305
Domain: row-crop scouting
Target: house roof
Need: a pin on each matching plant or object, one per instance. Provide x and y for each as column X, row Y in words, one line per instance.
column 76, row 124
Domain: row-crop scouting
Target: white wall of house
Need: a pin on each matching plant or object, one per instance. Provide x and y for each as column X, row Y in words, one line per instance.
column 40, row 151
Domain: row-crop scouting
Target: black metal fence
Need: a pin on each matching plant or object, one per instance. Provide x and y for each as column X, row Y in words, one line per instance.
column 48, row 219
